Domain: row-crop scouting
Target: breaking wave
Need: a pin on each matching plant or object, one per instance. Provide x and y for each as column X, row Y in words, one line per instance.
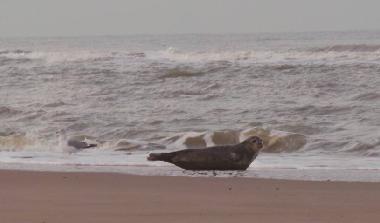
column 281, row 59
column 275, row 141
column 348, row 48
column 173, row 54
column 181, row 72
column 52, row 56
column 18, row 142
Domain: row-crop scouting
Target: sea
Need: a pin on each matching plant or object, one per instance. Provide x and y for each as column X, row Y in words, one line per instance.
column 313, row 97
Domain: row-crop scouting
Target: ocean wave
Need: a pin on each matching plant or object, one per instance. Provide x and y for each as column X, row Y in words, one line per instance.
column 281, row 59
column 277, row 141
column 323, row 110
column 16, row 142
column 367, row 96
column 53, row 56
column 173, row 54
column 274, row 141
column 54, row 104
column 136, row 54
column 368, row 148
column 181, row 72
column 6, row 111
column 300, row 129
column 17, row 51
column 284, row 67
column 348, row 48
column 18, row 55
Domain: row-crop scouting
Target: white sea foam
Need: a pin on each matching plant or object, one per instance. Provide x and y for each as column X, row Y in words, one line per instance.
column 282, row 56
column 54, row 56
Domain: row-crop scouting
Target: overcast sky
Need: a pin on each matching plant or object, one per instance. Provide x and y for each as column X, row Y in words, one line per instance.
column 121, row 17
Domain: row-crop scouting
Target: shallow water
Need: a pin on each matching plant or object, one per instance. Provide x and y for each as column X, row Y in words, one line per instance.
column 313, row 97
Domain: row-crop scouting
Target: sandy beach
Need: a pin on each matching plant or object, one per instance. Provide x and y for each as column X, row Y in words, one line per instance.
column 50, row 197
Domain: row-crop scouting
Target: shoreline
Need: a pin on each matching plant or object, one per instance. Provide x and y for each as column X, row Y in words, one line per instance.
column 298, row 166
column 30, row 196
column 291, row 174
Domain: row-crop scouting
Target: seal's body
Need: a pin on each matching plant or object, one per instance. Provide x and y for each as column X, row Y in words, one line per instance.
column 231, row 157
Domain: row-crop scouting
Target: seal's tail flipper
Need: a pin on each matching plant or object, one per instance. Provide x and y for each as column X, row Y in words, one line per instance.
column 160, row 157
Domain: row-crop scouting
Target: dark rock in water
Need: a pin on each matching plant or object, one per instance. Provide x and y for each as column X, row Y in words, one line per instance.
column 230, row 157
column 75, row 143
column 80, row 144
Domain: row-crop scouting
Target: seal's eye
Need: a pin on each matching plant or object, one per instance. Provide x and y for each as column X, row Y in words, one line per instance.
column 254, row 139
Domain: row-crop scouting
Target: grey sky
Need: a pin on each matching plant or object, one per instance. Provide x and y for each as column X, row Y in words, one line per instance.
column 120, row 17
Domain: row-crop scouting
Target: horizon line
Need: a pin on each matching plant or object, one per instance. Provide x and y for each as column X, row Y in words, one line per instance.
column 189, row 33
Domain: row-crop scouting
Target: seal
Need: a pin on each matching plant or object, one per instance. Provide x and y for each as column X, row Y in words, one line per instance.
column 229, row 157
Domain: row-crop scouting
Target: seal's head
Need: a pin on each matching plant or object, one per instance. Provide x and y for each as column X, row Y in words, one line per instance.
column 255, row 143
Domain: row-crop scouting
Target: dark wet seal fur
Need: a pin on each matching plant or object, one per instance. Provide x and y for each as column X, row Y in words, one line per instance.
column 229, row 157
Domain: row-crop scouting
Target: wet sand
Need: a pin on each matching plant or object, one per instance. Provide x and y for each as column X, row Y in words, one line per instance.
column 37, row 197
